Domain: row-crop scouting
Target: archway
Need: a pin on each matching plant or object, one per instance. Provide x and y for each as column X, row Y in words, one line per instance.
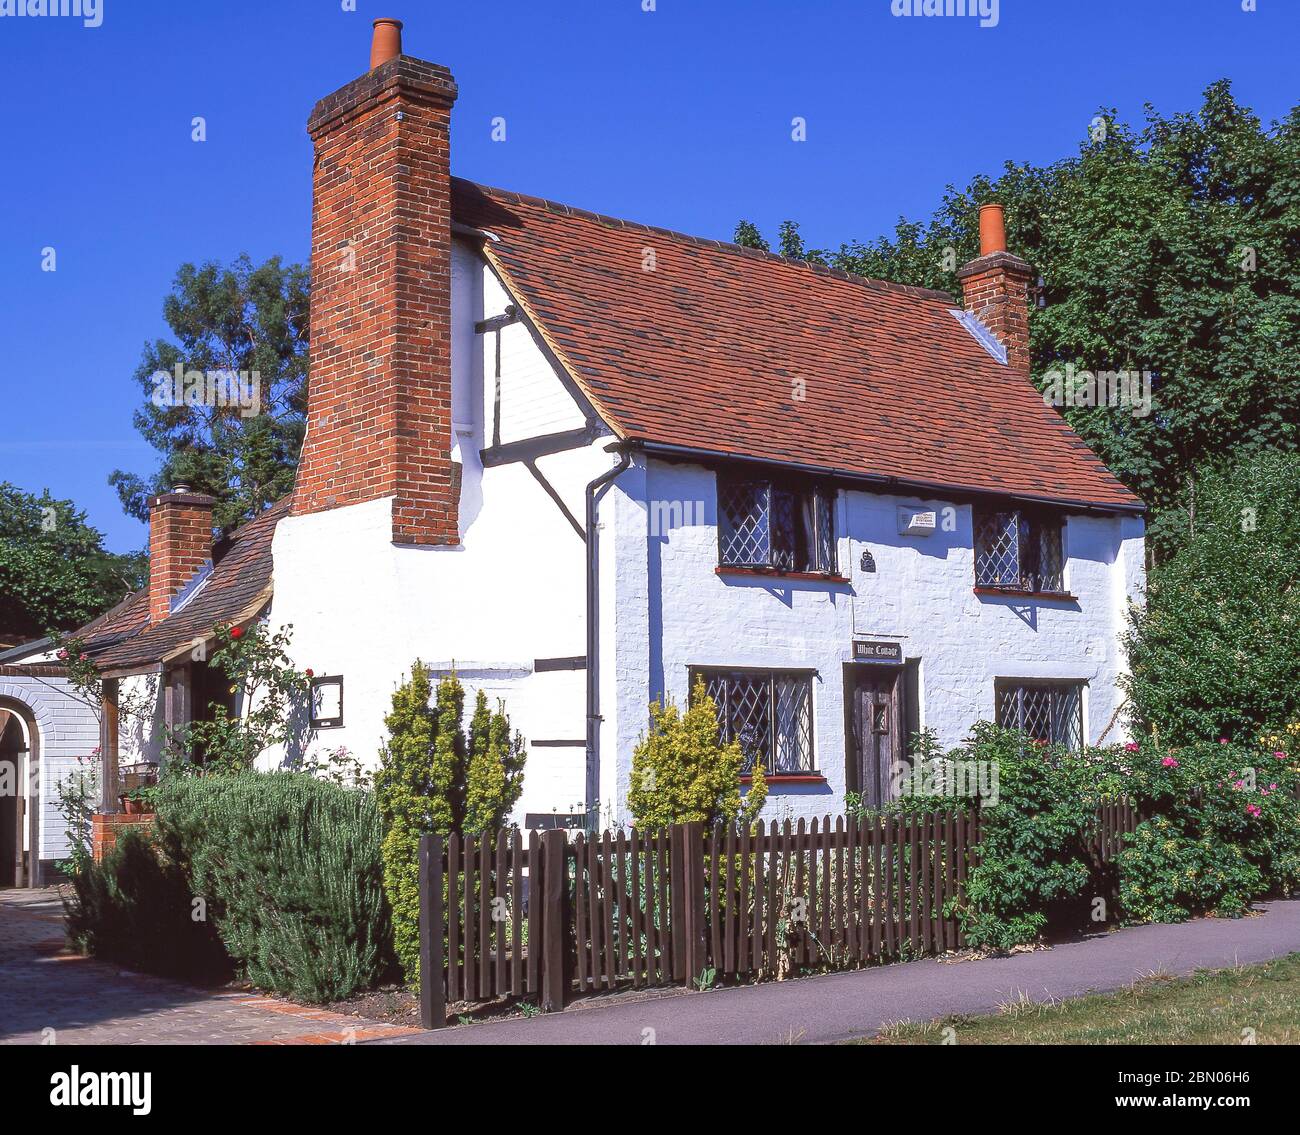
column 19, row 796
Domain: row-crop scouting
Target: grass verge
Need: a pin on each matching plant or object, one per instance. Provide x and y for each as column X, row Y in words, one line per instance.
column 1210, row 1007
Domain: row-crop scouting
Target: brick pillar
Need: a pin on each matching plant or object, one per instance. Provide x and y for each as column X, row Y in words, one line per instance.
column 105, row 827
column 379, row 392
column 180, row 543
column 995, row 289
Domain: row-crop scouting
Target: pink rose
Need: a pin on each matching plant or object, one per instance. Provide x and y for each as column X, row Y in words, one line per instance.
column 1253, row 810
column 63, row 653
column 1132, row 747
column 1223, row 740
column 1169, row 762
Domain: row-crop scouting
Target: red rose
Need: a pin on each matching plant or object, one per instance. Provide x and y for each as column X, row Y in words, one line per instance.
column 235, row 632
column 310, row 672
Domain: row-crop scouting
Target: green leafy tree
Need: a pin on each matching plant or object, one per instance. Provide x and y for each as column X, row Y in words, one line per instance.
column 748, row 236
column 682, row 773
column 1215, row 652
column 227, row 318
column 432, row 779
column 1168, row 249
column 54, row 572
column 788, row 240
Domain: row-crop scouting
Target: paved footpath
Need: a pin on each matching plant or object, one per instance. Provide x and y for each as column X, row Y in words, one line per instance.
column 840, row 1006
column 44, row 987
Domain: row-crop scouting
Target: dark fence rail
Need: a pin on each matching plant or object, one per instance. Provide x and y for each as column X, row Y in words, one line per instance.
column 552, row 918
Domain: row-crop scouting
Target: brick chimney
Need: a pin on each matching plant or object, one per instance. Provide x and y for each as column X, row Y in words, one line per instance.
column 180, row 543
column 379, row 391
column 995, row 289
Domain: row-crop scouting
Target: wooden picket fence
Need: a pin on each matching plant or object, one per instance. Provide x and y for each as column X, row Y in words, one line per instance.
column 558, row 915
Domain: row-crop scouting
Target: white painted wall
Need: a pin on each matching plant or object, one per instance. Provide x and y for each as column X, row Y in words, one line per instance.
column 511, row 593
column 141, row 720
column 669, row 610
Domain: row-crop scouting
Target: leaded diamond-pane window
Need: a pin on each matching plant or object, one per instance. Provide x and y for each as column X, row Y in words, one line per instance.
column 777, row 525
column 1045, row 711
column 743, row 510
column 997, row 549
column 1018, row 551
column 768, row 712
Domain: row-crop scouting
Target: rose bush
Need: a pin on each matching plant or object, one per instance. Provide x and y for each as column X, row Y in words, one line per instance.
column 1222, row 828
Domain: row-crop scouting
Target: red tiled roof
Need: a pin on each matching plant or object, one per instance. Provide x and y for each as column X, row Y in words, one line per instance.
column 704, row 354
column 706, row 351
column 123, row 639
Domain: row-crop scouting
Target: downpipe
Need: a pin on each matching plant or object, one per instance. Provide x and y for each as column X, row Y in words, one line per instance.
column 593, row 493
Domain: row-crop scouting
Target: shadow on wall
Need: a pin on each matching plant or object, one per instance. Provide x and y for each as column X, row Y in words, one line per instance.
column 142, row 724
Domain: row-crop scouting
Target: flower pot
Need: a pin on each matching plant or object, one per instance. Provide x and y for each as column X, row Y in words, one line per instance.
column 133, row 807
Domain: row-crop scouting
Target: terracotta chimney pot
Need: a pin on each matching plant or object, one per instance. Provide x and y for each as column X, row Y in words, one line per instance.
column 386, row 43
column 993, row 230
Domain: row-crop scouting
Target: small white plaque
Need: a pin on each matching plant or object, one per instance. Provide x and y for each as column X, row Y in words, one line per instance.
column 917, row 521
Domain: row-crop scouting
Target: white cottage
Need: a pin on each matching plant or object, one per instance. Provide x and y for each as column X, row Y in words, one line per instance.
column 581, row 461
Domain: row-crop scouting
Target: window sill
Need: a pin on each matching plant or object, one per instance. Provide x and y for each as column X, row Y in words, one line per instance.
column 789, row 778
column 774, row 573
column 1016, row 593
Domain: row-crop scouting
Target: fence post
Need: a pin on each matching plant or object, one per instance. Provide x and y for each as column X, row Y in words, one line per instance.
column 677, row 903
column 688, row 878
column 555, row 888
column 433, row 995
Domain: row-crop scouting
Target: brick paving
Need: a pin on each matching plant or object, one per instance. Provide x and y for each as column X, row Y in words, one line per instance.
column 45, row 987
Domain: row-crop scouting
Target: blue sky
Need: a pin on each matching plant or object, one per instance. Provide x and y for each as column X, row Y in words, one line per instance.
column 679, row 117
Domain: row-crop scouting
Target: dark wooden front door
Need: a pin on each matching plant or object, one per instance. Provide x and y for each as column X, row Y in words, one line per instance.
column 877, row 744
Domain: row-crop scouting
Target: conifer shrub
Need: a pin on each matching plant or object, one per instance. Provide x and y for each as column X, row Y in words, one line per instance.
column 1215, row 650
column 433, row 778
column 683, row 773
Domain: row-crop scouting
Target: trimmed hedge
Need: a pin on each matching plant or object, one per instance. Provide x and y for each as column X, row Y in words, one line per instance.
column 291, row 869
column 136, row 908
column 273, row 876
